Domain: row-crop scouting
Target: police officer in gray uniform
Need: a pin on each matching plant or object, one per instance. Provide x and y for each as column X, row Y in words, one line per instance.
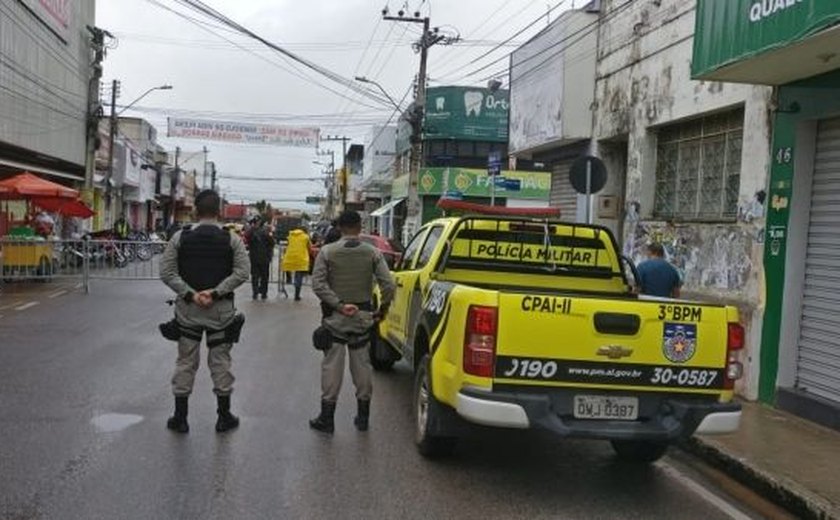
column 204, row 265
column 343, row 279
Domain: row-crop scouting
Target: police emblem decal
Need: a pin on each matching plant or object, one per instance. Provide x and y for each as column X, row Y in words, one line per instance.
column 679, row 342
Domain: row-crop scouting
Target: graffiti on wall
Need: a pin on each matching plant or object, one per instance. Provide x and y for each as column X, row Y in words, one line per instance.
column 711, row 258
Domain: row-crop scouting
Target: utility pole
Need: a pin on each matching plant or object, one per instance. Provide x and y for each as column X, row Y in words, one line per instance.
column 428, row 39
column 94, row 104
column 342, row 185
column 330, row 184
column 204, row 170
column 173, row 186
column 112, row 134
column 213, row 176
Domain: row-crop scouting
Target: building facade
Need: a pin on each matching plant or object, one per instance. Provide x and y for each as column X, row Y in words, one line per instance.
column 791, row 46
column 693, row 155
column 45, row 81
column 687, row 159
column 552, row 83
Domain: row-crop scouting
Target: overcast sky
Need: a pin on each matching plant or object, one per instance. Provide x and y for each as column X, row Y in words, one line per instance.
column 214, row 78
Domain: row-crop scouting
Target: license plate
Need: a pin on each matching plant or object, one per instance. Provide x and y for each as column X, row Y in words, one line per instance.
column 606, row 407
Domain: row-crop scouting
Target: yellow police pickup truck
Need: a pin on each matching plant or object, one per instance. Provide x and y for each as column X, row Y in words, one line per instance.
column 523, row 323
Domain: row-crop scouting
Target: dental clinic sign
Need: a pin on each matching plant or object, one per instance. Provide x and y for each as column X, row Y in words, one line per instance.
column 55, row 14
column 468, row 114
column 730, row 31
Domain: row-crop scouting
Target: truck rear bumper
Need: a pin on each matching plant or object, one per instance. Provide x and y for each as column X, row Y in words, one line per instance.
column 720, row 422
column 491, row 413
column 661, row 417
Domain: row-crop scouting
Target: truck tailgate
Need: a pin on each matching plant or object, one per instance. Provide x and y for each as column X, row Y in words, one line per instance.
column 595, row 342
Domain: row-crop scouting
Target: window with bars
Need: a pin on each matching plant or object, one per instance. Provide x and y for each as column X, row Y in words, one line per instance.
column 698, row 168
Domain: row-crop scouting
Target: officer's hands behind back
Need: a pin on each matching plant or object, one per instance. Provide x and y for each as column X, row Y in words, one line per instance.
column 348, row 309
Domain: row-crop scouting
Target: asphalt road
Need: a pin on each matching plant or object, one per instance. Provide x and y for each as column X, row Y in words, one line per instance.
column 84, row 395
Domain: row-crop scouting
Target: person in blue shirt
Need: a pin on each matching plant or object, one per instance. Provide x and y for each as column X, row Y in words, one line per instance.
column 657, row 276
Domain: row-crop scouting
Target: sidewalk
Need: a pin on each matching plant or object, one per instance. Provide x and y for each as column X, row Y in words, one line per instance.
column 789, row 460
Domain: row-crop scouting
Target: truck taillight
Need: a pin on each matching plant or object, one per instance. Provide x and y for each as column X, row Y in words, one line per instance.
column 480, row 341
column 735, row 337
column 734, row 343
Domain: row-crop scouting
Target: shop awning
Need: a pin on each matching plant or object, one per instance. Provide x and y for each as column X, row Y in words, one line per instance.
column 387, row 208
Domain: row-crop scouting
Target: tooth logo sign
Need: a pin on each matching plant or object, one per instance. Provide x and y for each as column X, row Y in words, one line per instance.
column 473, row 101
column 440, row 103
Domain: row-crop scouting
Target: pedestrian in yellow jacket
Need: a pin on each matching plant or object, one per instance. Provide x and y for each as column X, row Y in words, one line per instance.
column 296, row 258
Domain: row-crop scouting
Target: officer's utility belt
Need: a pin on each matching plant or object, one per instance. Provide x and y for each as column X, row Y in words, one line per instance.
column 327, row 310
column 174, row 330
column 228, row 296
column 323, row 339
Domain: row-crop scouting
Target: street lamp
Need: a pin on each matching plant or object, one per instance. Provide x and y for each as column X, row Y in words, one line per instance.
column 144, row 94
column 362, row 79
column 113, row 132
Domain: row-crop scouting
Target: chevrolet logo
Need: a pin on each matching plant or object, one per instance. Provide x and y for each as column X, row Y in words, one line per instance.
column 614, row 351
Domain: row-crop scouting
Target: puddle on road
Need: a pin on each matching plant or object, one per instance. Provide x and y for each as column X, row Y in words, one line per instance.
column 114, row 422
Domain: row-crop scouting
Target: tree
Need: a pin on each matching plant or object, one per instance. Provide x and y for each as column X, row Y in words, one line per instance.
column 265, row 210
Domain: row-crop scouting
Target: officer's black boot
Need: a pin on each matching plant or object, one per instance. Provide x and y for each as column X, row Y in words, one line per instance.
column 363, row 416
column 226, row 421
column 326, row 421
column 178, row 422
column 297, row 294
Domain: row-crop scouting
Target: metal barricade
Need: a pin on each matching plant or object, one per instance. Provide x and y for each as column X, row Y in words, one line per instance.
column 30, row 259
column 83, row 260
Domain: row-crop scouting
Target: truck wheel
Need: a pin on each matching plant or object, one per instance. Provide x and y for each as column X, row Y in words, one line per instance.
column 640, row 451
column 426, row 413
column 379, row 355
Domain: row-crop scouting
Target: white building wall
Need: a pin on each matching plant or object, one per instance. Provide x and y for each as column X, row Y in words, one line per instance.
column 643, row 82
column 380, row 150
column 552, row 85
column 44, row 80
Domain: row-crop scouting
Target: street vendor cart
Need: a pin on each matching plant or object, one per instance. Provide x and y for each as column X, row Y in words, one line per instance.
column 24, row 254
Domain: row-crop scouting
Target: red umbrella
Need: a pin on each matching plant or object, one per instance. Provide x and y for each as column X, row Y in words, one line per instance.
column 26, row 185
column 66, row 207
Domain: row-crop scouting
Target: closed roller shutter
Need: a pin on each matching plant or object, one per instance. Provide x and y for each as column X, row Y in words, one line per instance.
column 818, row 366
column 563, row 195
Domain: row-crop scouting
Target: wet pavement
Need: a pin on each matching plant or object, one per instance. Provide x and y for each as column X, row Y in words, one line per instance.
column 84, row 397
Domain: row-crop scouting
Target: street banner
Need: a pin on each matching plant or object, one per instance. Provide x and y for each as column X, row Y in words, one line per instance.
column 244, row 133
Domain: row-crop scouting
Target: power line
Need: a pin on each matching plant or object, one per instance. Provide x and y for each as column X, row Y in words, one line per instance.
column 497, row 47
column 581, row 33
column 254, row 53
column 499, row 26
column 203, row 8
column 271, row 179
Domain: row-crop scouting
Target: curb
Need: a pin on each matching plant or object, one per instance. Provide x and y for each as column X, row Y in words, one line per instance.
column 781, row 491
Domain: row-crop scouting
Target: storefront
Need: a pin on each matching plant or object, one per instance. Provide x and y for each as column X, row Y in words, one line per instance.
column 792, row 45
column 522, row 189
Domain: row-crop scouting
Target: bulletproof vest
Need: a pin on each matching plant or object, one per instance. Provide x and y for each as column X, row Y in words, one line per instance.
column 351, row 266
column 205, row 257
